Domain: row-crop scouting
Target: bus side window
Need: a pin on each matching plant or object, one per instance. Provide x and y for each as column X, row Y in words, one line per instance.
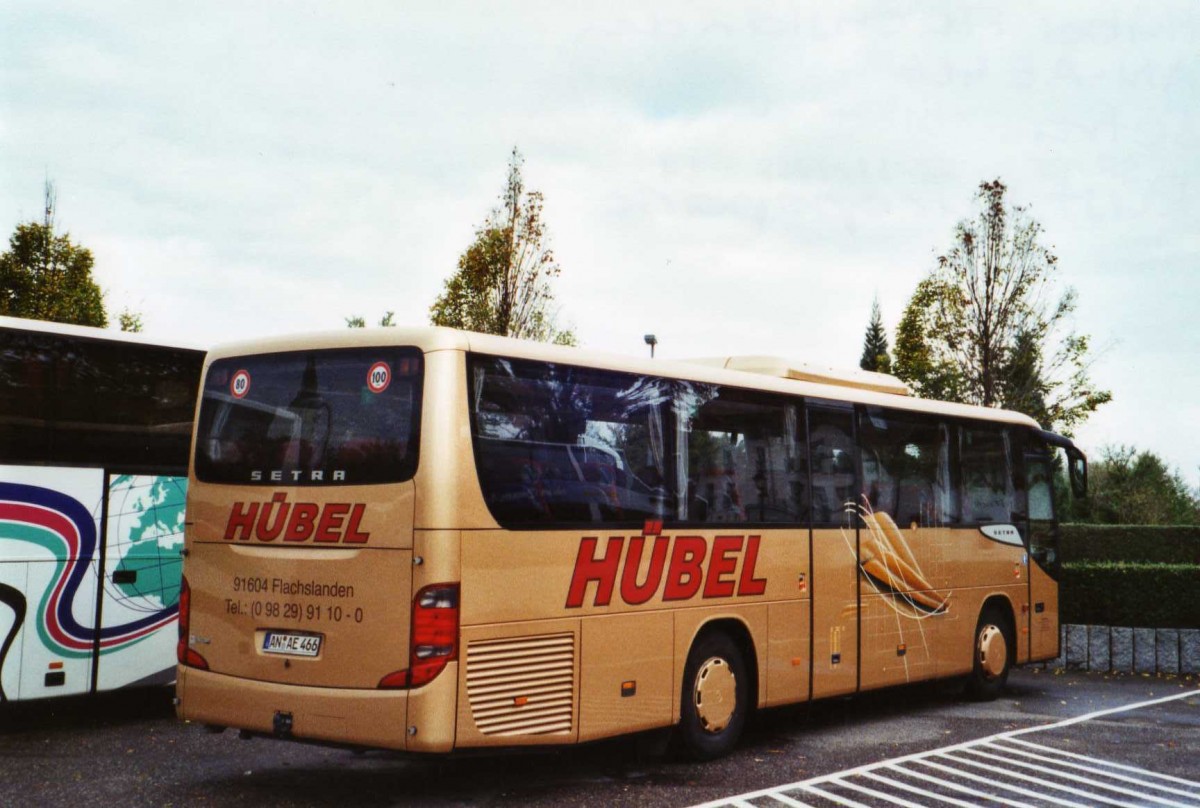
column 906, row 468
column 26, row 397
column 946, row 492
column 556, row 444
column 988, row 495
column 831, row 453
column 740, row 458
column 1040, row 491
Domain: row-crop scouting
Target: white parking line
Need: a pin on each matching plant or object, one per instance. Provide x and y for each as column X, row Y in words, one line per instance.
column 1050, row 752
column 1038, row 781
column 958, row 787
column 1091, row 781
column 993, row 783
column 1061, row 778
column 911, row 789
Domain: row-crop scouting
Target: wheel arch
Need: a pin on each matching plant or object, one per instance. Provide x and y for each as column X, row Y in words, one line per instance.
column 996, row 610
column 1002, row 603
column 738, row 631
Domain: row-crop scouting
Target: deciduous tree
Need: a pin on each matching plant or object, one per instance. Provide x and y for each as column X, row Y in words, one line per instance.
column 1129, row 487
column 130, row 321
column 387, row 320
column 987, row 327
column 45, row 276
column 924, row 363
column 503, row 281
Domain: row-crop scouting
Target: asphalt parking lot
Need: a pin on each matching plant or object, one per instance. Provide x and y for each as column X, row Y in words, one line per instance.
column 127, row 748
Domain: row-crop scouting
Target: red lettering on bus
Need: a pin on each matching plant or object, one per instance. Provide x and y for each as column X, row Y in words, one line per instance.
column 631, row 592
column 241, row 521
column 267, row 530
column 353, row 534
column 336, row 522
column 685, row 576
column 588, row 568
column 687, row 568
column 720, row 564
column 749, row 585
column 329, row 529
column 302, row 523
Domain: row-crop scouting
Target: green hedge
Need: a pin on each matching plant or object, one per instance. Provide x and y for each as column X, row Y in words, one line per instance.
column 1106, row 593
column 1132, row 543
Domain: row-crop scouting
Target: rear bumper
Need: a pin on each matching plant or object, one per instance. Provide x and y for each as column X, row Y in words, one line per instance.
column 372, row 718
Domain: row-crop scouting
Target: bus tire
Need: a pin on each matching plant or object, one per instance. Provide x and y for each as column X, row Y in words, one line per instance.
column 993, row 648
column 715, row 698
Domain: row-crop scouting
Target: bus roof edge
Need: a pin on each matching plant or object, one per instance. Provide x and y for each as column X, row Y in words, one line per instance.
column 807, row 372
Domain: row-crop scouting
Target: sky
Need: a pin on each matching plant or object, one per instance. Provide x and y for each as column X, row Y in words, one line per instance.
column 736, row 178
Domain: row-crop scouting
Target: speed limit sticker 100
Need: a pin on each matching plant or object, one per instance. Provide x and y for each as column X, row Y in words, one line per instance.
column 379, row 377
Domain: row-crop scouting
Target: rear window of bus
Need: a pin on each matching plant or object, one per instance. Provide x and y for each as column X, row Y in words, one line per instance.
column 319, row 417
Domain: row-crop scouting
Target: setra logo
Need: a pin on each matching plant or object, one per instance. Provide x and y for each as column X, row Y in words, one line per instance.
column 333, row 523
column 682, row 578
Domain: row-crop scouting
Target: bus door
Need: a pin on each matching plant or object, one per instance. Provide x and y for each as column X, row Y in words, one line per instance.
column 1043, row 557
column 834, row 585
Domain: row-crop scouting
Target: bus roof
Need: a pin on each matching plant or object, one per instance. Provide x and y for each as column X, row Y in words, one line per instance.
column 759, row 372
column 809, row 372
column 89, row 332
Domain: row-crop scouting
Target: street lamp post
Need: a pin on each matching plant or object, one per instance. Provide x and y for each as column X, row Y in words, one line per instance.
column 651, row 340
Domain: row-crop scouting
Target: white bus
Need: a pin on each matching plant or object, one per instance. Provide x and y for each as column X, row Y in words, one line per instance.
column 94, row 438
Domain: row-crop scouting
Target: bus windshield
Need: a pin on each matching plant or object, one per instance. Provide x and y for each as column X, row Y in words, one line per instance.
column 327, row 417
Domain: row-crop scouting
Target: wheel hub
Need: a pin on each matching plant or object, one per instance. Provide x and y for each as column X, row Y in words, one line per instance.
column 993, row 651
column 715, row 694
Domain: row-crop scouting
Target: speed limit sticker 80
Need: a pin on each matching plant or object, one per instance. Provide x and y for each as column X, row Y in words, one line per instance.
column 239, row 385
column 379, row 377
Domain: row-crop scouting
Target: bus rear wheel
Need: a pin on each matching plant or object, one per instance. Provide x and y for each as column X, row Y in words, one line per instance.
column 994, row 647
column 715, row 698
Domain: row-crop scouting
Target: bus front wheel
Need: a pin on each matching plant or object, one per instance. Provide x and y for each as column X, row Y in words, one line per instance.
column 994, row 648
column 715, row 697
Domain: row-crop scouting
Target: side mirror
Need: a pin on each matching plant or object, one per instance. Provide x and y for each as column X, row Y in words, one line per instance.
column 1077, row 468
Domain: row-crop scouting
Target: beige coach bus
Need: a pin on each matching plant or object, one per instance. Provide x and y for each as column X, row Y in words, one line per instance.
column 426, row 540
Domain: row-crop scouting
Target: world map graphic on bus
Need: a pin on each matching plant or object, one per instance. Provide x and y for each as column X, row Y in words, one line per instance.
column 53, row 543
column 145, row 532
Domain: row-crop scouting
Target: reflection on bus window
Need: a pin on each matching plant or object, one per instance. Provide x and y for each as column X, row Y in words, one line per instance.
column 1040, row 485
column 988, row 494
column 906, row 468
column 831, row 452
column 72, row 400
column 744, row 461
column 557, row 444
column 311, row 418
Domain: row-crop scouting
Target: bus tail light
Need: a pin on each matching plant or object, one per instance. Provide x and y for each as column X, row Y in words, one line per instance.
column 183, row 653
column 434, row 637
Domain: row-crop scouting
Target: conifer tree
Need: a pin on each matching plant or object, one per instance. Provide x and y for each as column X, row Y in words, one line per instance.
column 875, row 354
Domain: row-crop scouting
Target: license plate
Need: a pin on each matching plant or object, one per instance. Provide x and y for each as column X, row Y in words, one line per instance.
column 276, row 642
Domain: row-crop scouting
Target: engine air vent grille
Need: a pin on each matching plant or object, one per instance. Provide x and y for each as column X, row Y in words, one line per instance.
column 522, row 685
